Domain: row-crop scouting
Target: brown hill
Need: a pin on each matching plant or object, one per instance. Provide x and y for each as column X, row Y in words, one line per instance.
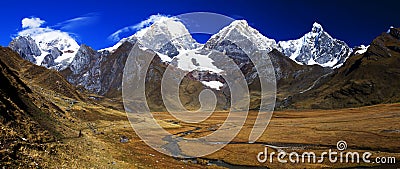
column 37, row 75
column 27, row 118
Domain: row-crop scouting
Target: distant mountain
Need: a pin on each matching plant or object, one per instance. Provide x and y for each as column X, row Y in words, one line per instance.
column 367, row 78
column 290, row 76
column 239, row 29
column 53, row 49
column 167, row 37
column 316, row 48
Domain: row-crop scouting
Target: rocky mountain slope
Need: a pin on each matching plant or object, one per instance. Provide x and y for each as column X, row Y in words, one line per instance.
column 28, row 119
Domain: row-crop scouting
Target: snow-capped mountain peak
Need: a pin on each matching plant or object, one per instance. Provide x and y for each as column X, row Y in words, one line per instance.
column 316, row 47
column 316, row 28
column 164, row 33
column 57, row 49
column 170, row 26
column 240, row 28
column 166, row 36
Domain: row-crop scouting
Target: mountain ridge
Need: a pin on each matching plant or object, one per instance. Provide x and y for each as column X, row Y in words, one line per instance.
column 59, row 52
column 100, row 71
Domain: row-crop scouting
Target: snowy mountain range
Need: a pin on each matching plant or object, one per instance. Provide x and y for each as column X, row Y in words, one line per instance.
column 172, row 42
column 315, row 48
column 314, row 65
column 169, row 37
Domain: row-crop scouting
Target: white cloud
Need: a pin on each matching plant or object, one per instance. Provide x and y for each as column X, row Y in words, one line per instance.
column 149, row 21
column 32, row 27
column 32, row 22
column 44, row 35
column 33, row 32
column 77, row 22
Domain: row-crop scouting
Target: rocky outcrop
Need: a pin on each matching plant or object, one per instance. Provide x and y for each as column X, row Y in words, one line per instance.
column 85, row 70
column 26, row 47
column 395, row 32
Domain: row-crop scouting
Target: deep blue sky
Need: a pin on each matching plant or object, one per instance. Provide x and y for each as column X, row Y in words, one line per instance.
column 356, row 22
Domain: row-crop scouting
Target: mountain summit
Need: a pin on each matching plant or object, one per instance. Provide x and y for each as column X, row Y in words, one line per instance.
column 241, row 29
column 46, row 47
column 166, row 36
column 316, row 48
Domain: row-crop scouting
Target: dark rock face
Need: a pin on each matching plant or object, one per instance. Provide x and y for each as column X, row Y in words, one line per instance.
column 48, row 60
column 229, row 48
column 25, row 47
column 169, row 49
column 395, row 32
column 98, row 72
column 85, row 69
column 112, row 68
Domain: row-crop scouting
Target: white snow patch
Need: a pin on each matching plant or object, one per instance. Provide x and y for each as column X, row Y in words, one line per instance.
column 388, row 31
column 164, row 58
column 330, row 63
column 362, row 50
column 39, row 59
column 213, row 84
column 312, row 62
column 190, row 60
column 68, row 57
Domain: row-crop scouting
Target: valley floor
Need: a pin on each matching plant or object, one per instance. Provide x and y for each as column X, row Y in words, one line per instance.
column 102, row 142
